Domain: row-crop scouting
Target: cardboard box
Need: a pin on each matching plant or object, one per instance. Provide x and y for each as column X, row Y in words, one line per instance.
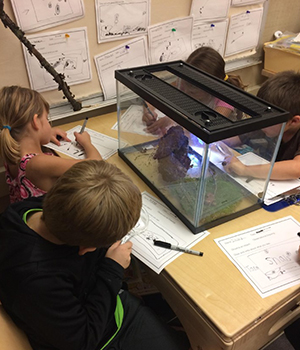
column 278, row 60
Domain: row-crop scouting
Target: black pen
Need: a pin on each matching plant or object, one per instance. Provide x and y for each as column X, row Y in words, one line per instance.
column 149, row 110
column 83, row 126
column 176, row 247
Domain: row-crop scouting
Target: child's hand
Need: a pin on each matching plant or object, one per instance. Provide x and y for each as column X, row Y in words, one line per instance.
column 149, row 115
column 159, row 126
column 61, row 135
column 83, row 139
column 120, row 253
column 234, row 166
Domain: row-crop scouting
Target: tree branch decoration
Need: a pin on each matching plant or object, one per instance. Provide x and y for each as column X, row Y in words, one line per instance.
column 58, row 77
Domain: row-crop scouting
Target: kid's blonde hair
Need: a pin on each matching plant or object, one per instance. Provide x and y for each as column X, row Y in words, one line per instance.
column 93, row 204
column 18, row 105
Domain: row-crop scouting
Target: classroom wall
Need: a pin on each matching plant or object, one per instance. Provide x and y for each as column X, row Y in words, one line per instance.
column 12, row 66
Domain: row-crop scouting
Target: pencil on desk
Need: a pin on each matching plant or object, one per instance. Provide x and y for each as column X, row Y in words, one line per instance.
column 83, row 126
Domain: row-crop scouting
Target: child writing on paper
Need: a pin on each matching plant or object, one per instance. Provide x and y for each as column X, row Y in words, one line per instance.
column 62, row 267
column 24, row 128
column 210, row 61
column 283, row 90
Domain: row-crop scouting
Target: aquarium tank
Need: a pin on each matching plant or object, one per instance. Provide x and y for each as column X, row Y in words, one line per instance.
column 179, row 128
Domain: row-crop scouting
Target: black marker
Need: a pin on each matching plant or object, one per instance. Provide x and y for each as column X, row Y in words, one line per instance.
column 176, row 247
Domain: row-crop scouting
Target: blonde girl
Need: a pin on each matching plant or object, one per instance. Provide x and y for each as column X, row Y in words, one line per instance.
column 24, row 129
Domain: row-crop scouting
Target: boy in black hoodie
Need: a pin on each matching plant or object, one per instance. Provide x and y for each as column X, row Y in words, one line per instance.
column 62, row 264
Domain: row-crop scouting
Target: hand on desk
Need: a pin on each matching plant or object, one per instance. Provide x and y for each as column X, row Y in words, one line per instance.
column 232, row 165
column 58, row 134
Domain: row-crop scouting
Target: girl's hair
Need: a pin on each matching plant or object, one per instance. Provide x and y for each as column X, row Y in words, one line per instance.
column 210, row 61
column 283, row 90
column 18, row 105
column 93, row 204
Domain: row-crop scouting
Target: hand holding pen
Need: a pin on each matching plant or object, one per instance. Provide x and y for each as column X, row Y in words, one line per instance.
column 149, row 115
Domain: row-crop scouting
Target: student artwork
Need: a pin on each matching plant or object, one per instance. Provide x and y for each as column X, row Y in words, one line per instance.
column 243, row 31
column 130, row 54
column 266, row 255
column 67, row 52
column 170, row 41
column 206, row 10
column 36, row 15
column 210, row 34
column 121, row 19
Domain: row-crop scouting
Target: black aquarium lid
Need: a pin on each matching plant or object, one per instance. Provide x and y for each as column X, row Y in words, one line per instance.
column 193, row 115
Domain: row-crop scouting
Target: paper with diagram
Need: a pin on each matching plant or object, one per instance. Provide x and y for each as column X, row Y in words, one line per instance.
column 266, row 255
column 211, row 34
column 171, row 40
column 165, row 226
column 133, row 53
column 67, row 51
column 107, row 146
column 243, row 31
column 119, row 19
column 131, row 120
column 36, row 15
column 207, row 10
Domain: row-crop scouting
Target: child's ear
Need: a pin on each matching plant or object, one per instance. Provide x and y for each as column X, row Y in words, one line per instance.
column 84, row 250
column 295, row 119
column 35, row 122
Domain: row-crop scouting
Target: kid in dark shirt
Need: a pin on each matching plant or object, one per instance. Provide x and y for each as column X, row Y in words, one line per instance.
column 62, row 264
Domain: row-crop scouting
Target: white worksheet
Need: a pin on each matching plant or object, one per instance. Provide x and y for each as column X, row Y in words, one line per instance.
column 133, row 53
column 208, row 10
column 165, row 226
column 67, row 51
column 36, row 15
column 131, row 120
column 107, row 146
column 118, row 19
column 210, row 34
column 254, row 185
column 266, row 255
column 171, row 40
column 243, row 31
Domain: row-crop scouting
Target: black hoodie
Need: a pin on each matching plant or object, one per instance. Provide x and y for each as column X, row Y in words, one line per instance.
column 60, row 299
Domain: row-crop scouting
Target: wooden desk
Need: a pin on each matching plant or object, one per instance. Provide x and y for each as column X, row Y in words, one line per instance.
column 217, row 306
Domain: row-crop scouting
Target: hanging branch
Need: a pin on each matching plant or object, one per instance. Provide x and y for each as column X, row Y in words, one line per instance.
column 59, row 78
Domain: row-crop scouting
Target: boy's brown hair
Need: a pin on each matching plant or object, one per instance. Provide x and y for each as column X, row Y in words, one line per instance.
column 18, row 105
column 93, row 204
column 283, row 90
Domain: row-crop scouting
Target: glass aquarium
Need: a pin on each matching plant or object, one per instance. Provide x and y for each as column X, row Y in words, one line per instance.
column 180, row 128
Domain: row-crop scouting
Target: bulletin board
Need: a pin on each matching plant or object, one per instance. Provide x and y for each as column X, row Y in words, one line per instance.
column 83, row 29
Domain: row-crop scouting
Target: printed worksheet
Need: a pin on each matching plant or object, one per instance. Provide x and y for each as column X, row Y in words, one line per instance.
column 243, row 31
column 207, row 10
column 131, row 120
column 67, row 51
column 107, row 146
column 210, row 34
column 266, row 255
column 171, row 40
column 36, row 15
column 118, row 19
column 133, row 53
column 164, row 226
